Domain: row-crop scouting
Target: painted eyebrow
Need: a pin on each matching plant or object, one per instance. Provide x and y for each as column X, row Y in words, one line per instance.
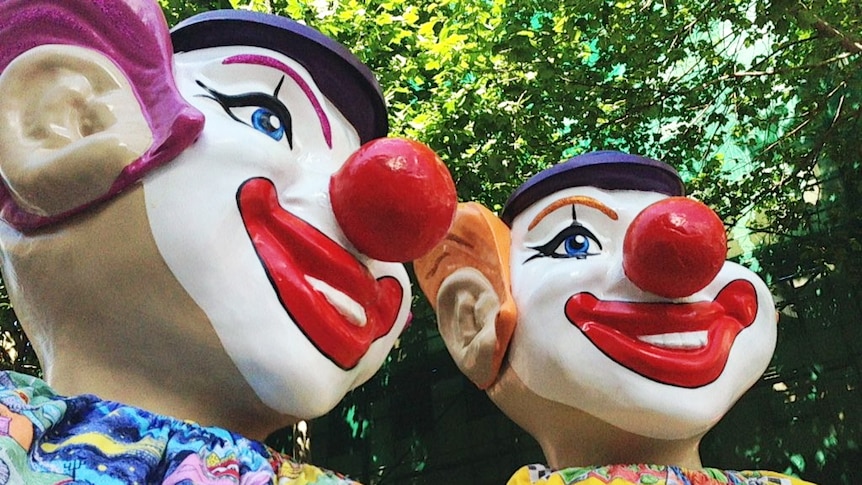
column 577, row 199
column 276, row 64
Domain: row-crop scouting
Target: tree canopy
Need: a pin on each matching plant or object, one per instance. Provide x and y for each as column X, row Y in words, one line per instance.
column 756, row 103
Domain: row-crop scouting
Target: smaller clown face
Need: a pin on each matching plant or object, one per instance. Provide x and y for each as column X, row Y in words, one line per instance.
column 589, row 337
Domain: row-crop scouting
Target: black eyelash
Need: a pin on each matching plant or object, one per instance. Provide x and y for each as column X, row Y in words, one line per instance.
column 268, row 101
column 547, row 250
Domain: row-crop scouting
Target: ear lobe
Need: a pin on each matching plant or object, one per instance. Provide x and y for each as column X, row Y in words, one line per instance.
column 70, row 122
column 467, row 280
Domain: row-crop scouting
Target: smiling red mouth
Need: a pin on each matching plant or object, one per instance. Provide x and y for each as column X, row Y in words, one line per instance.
column 333, row 298
column 681, row 344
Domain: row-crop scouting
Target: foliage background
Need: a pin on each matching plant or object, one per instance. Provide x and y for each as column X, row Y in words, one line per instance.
column 757, row 104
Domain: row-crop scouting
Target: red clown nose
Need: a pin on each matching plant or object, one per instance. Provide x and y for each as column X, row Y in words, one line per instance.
column 674, row 247
column 394, row 199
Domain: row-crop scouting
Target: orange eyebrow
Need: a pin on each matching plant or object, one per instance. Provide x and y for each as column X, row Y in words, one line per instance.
column 577, row 199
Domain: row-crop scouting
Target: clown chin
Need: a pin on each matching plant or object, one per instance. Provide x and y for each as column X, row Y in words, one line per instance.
column 668, row 413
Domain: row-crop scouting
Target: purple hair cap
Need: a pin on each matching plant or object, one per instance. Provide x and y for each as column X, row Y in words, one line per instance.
column 134, row 35
column 608, row 170
column 341, row 77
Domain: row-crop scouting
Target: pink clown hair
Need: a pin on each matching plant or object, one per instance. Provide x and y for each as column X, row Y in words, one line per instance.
column 134, row 35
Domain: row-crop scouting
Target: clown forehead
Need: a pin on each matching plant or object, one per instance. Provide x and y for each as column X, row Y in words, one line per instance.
column 606, row 212
column 605, row 170
column 339, row 75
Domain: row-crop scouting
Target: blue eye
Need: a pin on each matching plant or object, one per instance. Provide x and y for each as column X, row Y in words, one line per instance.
column 269, row 115
column 267, row 122
column 574, row 241
column 576, row 245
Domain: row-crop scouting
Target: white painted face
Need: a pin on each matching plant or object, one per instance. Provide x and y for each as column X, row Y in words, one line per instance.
column 589, row 338
column 243, row 219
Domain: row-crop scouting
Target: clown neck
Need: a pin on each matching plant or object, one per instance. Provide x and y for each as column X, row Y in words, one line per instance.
column 572, row 438
column 170, row 362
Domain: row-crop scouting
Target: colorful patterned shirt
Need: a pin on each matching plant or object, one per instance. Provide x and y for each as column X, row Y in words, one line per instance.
column 646, row 475
column 46, row 439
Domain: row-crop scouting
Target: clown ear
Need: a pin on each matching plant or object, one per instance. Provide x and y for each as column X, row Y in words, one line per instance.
column 467, row 310
column 69, row 124
column 466, row 279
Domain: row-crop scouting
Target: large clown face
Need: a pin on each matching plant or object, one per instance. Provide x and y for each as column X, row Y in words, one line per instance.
column 302, row 314
column 189, row 223
column 590, row 338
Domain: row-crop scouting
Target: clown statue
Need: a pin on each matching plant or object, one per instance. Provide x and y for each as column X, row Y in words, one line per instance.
column 202, row 232
column 599, row 313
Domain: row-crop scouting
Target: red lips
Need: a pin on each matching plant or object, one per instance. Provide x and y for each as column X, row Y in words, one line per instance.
column 292, row 251
column 614, row 327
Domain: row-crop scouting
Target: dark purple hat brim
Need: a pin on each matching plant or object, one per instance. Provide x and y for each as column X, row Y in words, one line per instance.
column 607, row 170
column 341, row 77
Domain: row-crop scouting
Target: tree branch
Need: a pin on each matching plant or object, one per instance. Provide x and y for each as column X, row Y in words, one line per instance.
column 769, row 72
column 851, row 45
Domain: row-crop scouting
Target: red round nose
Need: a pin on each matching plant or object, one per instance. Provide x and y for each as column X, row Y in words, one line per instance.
column 674, row 247
column 394, row 199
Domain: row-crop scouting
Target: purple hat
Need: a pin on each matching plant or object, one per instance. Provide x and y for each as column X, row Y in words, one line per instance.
column 605, row 170
column 341, row 77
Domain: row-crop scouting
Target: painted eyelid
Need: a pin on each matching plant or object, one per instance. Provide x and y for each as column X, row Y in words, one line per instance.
column 246, row 100
column 269, row 102
column 267, row 61
column 547, row 248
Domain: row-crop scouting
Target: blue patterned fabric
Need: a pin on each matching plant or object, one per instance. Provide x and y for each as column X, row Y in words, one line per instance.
column 49, row 439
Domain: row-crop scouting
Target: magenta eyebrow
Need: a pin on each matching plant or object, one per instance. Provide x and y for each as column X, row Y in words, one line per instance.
column 276, row 64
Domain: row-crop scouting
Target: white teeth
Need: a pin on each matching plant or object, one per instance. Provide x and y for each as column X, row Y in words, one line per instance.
column 677, row 340
column 345, row 305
